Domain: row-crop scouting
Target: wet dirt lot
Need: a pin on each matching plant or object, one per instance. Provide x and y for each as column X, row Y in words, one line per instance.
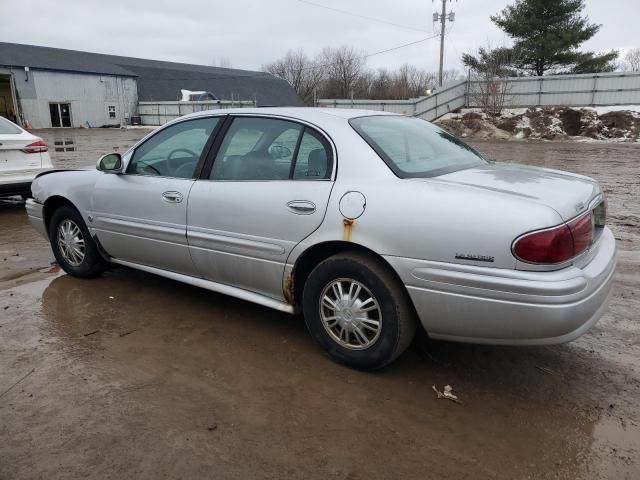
column 135, row 376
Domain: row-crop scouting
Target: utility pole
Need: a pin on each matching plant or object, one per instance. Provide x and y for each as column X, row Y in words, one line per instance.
column 442, row 18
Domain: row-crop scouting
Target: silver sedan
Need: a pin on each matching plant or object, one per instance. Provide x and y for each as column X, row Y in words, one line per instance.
column 367, row 223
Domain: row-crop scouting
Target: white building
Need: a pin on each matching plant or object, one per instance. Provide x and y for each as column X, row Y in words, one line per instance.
column 46, row 87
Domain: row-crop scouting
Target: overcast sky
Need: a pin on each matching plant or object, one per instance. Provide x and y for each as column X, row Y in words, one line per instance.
column 251, row 33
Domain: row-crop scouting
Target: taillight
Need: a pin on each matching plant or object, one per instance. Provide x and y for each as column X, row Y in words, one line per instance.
column 600, row 214
column 36, row 147
column 557, row 244
column 582, row 232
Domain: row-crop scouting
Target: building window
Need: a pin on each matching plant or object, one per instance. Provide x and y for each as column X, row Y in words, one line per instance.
column 112, row 111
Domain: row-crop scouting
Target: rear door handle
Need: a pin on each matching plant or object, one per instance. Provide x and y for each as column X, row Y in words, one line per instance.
column 172, row 197
column 302, row 207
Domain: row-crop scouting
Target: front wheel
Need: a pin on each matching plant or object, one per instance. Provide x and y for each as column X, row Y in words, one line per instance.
column 358, row 311
column 72, row 245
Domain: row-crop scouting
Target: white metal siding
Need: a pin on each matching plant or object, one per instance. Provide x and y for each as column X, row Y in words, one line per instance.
column 573, row 90
column 159, row 113
column 89, row 95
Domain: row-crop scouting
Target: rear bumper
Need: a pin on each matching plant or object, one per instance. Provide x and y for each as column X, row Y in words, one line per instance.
column 510, row 307
column 35, row 212
column 17, row 182
column 15, row 188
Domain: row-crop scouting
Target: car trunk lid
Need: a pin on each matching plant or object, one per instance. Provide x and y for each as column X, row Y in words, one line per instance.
column 13, row 156
column 567, row 193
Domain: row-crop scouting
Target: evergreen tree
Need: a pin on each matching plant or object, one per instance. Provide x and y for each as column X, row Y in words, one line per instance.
column 491, row 62
column 547, row 34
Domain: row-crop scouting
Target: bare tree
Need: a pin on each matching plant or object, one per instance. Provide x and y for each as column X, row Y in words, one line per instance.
column 303, row 74
column 488, row 71
column 450, row 75
column 364, row 84
column 342, row 67
column 223, row 62
column 381, row 85
column 632, row 59
column 419, row 81
column 342, row 73
column 406, row 82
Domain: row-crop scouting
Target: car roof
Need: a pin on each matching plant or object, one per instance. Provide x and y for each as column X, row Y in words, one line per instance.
column 310, row 114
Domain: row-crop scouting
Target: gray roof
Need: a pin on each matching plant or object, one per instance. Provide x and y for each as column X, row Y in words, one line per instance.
column 157, row 80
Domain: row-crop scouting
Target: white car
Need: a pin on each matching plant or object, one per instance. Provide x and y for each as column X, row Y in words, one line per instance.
column 22, row 157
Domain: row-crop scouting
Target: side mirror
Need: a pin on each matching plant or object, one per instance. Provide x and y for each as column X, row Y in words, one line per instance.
column 110, row 163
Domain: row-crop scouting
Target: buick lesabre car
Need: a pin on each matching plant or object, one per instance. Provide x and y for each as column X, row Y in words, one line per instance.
column 365, row 222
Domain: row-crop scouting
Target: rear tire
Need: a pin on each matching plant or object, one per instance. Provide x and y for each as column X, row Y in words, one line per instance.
column 358, row 311
column 73, row 246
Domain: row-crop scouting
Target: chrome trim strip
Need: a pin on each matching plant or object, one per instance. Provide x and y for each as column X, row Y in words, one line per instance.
column 170, row 233
column 504, row 284
column 213, row 286
column 232, row 254
column 208, row 241
column 95, row 232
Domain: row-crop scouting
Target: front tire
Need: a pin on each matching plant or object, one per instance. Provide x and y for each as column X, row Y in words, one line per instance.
column 73, row 246
column 358, row 311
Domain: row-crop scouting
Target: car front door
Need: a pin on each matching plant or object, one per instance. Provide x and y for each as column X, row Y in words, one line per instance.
column 140, row 215
column 266, row 190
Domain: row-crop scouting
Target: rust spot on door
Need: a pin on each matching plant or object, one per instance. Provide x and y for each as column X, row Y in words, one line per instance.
column 347, row 231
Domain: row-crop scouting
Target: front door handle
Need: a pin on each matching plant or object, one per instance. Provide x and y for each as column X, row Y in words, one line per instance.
column 302, row 207
column 172, row 197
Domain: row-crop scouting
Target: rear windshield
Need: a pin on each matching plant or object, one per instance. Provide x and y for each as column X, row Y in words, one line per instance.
column 414, row 148
column 6, row 127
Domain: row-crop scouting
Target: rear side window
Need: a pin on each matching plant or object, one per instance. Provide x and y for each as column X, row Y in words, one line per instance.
column 271, row 149
column 412, row 147
column 313, row 157
column 8, row 128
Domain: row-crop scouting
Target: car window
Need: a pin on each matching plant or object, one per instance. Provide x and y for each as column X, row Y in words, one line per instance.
column 412, row 147
column 257, row 149
column 8, row 128
column 174, row 151
column 284, row 146
column 243, row 141
column 312, row 161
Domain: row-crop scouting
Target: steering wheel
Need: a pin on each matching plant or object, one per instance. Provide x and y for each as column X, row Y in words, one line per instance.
column 175, row 165
column 149, row 168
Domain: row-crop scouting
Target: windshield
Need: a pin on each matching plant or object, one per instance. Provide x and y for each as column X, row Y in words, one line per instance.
column 7, row 127
column 414, row 148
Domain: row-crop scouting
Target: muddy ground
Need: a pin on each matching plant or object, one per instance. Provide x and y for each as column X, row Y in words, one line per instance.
column 135, row 376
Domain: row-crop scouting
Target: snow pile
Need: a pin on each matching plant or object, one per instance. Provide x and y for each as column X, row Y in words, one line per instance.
column 472, row 124
column 548, row 123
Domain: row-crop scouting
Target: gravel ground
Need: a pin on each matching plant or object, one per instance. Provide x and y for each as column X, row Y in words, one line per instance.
column 135, row 376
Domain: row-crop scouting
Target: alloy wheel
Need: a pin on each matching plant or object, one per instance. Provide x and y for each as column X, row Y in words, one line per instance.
column 71, row 242
column 350, row 314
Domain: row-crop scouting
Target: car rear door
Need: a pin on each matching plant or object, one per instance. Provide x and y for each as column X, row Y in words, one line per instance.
column 140, row 216
column 265, row 188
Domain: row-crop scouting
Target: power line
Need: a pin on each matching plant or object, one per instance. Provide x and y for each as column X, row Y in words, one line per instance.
column 352, row 14
column 266, row 74
column 401, row 46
